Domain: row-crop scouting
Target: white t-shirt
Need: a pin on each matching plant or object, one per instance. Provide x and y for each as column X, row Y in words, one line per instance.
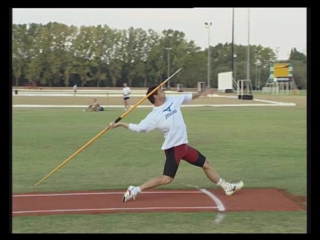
column 126, row 91
column 168, row 119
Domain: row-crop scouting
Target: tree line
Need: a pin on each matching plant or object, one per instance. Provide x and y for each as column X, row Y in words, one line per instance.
column 56, row 54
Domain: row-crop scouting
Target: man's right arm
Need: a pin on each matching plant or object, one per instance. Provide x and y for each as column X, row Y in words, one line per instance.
column 146, row 125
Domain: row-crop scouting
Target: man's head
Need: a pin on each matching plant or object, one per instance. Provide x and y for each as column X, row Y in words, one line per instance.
column 158, row 96
column 95, row 100
column 124, row 84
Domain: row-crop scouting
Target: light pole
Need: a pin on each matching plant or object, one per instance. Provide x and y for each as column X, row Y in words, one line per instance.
column 255, row 85
column 258, row 63
column 232, row 46
column 208, row 25
column 235, row 66
column 248, row 48
column 277, row 50
column 168, row 60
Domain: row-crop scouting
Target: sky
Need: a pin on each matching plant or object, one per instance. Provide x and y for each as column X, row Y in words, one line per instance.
column 278, row 28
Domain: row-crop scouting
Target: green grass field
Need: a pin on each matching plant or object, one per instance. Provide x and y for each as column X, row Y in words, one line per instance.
column 263, row 146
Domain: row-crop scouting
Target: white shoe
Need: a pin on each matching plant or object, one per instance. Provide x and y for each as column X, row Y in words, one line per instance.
column 233, row 187
column 129, row 194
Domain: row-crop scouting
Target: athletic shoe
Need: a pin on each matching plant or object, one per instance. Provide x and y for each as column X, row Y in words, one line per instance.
column 233, row 187
column 129, row 194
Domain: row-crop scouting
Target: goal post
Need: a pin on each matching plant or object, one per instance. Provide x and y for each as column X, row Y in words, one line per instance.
column 245, row 89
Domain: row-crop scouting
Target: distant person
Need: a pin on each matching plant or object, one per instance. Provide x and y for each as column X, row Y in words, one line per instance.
column 94, row 107
column 126, row 96
column 74, row 89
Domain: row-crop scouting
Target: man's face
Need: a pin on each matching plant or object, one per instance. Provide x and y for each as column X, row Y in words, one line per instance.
column 161, row 95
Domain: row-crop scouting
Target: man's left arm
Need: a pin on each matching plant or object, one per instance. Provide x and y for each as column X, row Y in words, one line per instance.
column 205, row 93
column 191, row 96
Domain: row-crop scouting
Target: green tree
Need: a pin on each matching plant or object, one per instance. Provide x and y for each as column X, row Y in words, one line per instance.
column 298, row 56
column 55, row 54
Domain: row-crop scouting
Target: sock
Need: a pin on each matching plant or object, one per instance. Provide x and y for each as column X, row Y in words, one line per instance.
column 136, row 190
column 222, row 183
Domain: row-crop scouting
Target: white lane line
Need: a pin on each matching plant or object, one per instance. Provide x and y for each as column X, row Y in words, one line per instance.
column 220, row 216
column 110, row 209
column 99, row 193
column 221, row 209
column 220, row 205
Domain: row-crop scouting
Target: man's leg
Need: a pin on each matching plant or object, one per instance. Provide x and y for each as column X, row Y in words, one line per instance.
column 156, row 182
column 89, row 107
column 170, row 169
column 194, row 157
column 125, row 104
column 132, row 191
column 173, row 157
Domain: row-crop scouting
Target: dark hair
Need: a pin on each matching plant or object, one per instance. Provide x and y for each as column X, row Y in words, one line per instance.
column 151, row 97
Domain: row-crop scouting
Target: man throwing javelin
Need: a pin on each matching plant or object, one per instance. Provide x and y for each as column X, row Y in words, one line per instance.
column 166, row 117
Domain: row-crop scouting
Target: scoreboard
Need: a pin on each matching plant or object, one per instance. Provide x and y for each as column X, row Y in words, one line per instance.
column 281, row 72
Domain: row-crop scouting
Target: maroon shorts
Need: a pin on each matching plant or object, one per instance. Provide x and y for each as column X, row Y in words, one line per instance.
column 184, row 152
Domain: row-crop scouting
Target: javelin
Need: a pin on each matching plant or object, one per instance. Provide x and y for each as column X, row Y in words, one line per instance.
column 106, row 129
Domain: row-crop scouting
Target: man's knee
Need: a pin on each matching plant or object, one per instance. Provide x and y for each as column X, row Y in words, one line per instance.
column 206, row 164
column 166, row 179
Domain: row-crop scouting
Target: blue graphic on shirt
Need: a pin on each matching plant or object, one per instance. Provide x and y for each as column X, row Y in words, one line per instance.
column 168, row 109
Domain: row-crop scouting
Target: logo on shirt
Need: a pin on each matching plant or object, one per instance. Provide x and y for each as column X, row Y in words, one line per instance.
column 171, row 112
column 168, row 109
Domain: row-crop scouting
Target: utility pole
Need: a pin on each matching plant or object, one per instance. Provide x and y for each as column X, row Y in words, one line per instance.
column 277, row 51
column 168, row 62
column 208, row 25
column 232, row 46
column 248, row 48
